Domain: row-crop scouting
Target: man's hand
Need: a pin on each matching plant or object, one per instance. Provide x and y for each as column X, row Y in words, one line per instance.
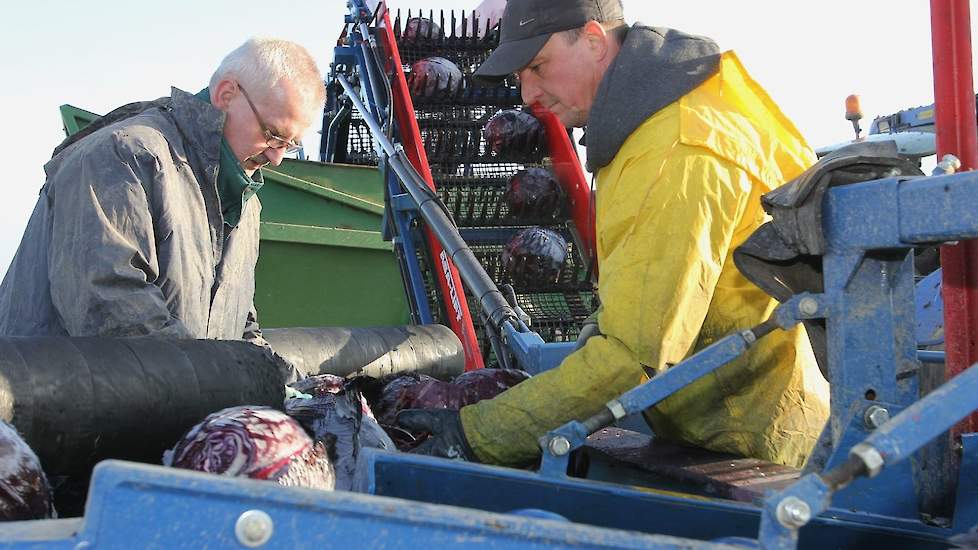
column 447, row 437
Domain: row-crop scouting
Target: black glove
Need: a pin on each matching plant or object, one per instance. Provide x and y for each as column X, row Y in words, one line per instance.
column 447, row 437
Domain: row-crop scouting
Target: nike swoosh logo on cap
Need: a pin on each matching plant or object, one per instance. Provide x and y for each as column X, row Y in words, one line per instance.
column 527, row 21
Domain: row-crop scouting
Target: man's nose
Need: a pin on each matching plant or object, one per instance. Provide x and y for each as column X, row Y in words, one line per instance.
column 529, row 89
column 275, row 156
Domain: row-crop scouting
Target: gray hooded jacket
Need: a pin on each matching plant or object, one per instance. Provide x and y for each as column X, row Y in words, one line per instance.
column 127, row 237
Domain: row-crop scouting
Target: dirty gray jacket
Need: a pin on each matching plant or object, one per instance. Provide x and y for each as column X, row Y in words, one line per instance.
column 127, row 237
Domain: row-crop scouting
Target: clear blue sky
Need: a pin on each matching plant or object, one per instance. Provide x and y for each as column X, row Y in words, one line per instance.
column 99, row 55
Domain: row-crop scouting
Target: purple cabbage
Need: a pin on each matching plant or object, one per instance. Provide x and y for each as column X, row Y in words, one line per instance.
column 515, row 135
column 534, row 257
column 533, row 193
column 24, row 490
column 434, row 77
column 420, row 27
column 254, row 442
column 412, row 391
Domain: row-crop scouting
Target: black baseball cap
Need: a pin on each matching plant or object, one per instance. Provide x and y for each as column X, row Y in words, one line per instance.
column 528, row 24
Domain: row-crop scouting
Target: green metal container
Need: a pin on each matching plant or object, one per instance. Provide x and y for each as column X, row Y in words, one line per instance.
column 322, row 260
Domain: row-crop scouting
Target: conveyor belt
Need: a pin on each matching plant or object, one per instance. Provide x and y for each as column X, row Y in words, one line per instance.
column 471, row 180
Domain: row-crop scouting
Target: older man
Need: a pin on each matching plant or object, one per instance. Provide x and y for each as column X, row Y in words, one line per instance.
column 683, row 143
column 147, row 223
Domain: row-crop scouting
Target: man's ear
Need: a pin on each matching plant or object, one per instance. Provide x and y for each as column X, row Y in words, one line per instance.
column 597, row 38
column 222, row 95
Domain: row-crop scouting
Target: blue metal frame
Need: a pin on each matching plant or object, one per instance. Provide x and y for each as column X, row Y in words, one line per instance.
column 889, row 445
column 869, row 228
column 929, row 307
column 532, row 353
column 609, row 505
column 401, row 214
column 140, row 506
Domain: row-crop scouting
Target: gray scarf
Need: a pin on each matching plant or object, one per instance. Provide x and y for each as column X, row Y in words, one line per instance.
column 655, row 67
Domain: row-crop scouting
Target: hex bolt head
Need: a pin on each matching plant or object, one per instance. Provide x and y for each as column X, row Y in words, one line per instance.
column 253, row 528
column 808, row 306
column 876, row 416
column 559, row 446
column 794, row 513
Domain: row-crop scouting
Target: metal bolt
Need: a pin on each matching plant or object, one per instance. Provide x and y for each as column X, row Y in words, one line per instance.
column 559, row 446
column 808, row 306
column 871, row 457
column 253, row 528
column 876, row 416
column 794, row 512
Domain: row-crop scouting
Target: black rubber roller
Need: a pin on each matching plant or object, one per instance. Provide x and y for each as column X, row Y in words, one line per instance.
column 80, row 400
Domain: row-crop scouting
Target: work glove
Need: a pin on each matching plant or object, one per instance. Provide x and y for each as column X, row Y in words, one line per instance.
column 447, row 437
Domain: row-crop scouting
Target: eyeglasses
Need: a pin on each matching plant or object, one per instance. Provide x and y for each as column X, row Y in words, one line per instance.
column 271, row 140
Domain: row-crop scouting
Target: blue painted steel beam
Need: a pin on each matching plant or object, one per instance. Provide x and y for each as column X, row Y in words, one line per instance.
column 532, row 354
column 497, row 489
column 902, row 212
column 139, row 506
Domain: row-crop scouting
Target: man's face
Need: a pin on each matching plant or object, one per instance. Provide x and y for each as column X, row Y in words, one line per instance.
column 563, row 78
column 278, row 111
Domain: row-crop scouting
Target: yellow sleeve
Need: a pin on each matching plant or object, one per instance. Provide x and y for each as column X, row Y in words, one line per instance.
column 665, row 224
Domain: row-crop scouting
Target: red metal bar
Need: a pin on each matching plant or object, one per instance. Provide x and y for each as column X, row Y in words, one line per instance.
column 954, row 95
column 567, row 167
column 449, row 282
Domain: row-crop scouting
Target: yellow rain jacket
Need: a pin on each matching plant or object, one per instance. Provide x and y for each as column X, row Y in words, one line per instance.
column 680, row 195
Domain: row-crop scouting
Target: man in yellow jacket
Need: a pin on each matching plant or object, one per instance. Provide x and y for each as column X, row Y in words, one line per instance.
column 684, row 143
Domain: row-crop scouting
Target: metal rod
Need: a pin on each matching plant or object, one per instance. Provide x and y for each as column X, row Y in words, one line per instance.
column 331, row 132
column 942, row 408
column 956, row 134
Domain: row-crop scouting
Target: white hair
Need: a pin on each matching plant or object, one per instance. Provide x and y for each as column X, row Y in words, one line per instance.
column 261, row 63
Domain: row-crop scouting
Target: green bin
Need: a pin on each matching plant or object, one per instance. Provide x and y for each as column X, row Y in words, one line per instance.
column 322, row 261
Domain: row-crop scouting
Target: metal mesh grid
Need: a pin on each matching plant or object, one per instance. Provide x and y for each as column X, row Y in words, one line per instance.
column 450, row 137
column 460, row 36
column 480, row 202
column 360, row 144
column 557, row 317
